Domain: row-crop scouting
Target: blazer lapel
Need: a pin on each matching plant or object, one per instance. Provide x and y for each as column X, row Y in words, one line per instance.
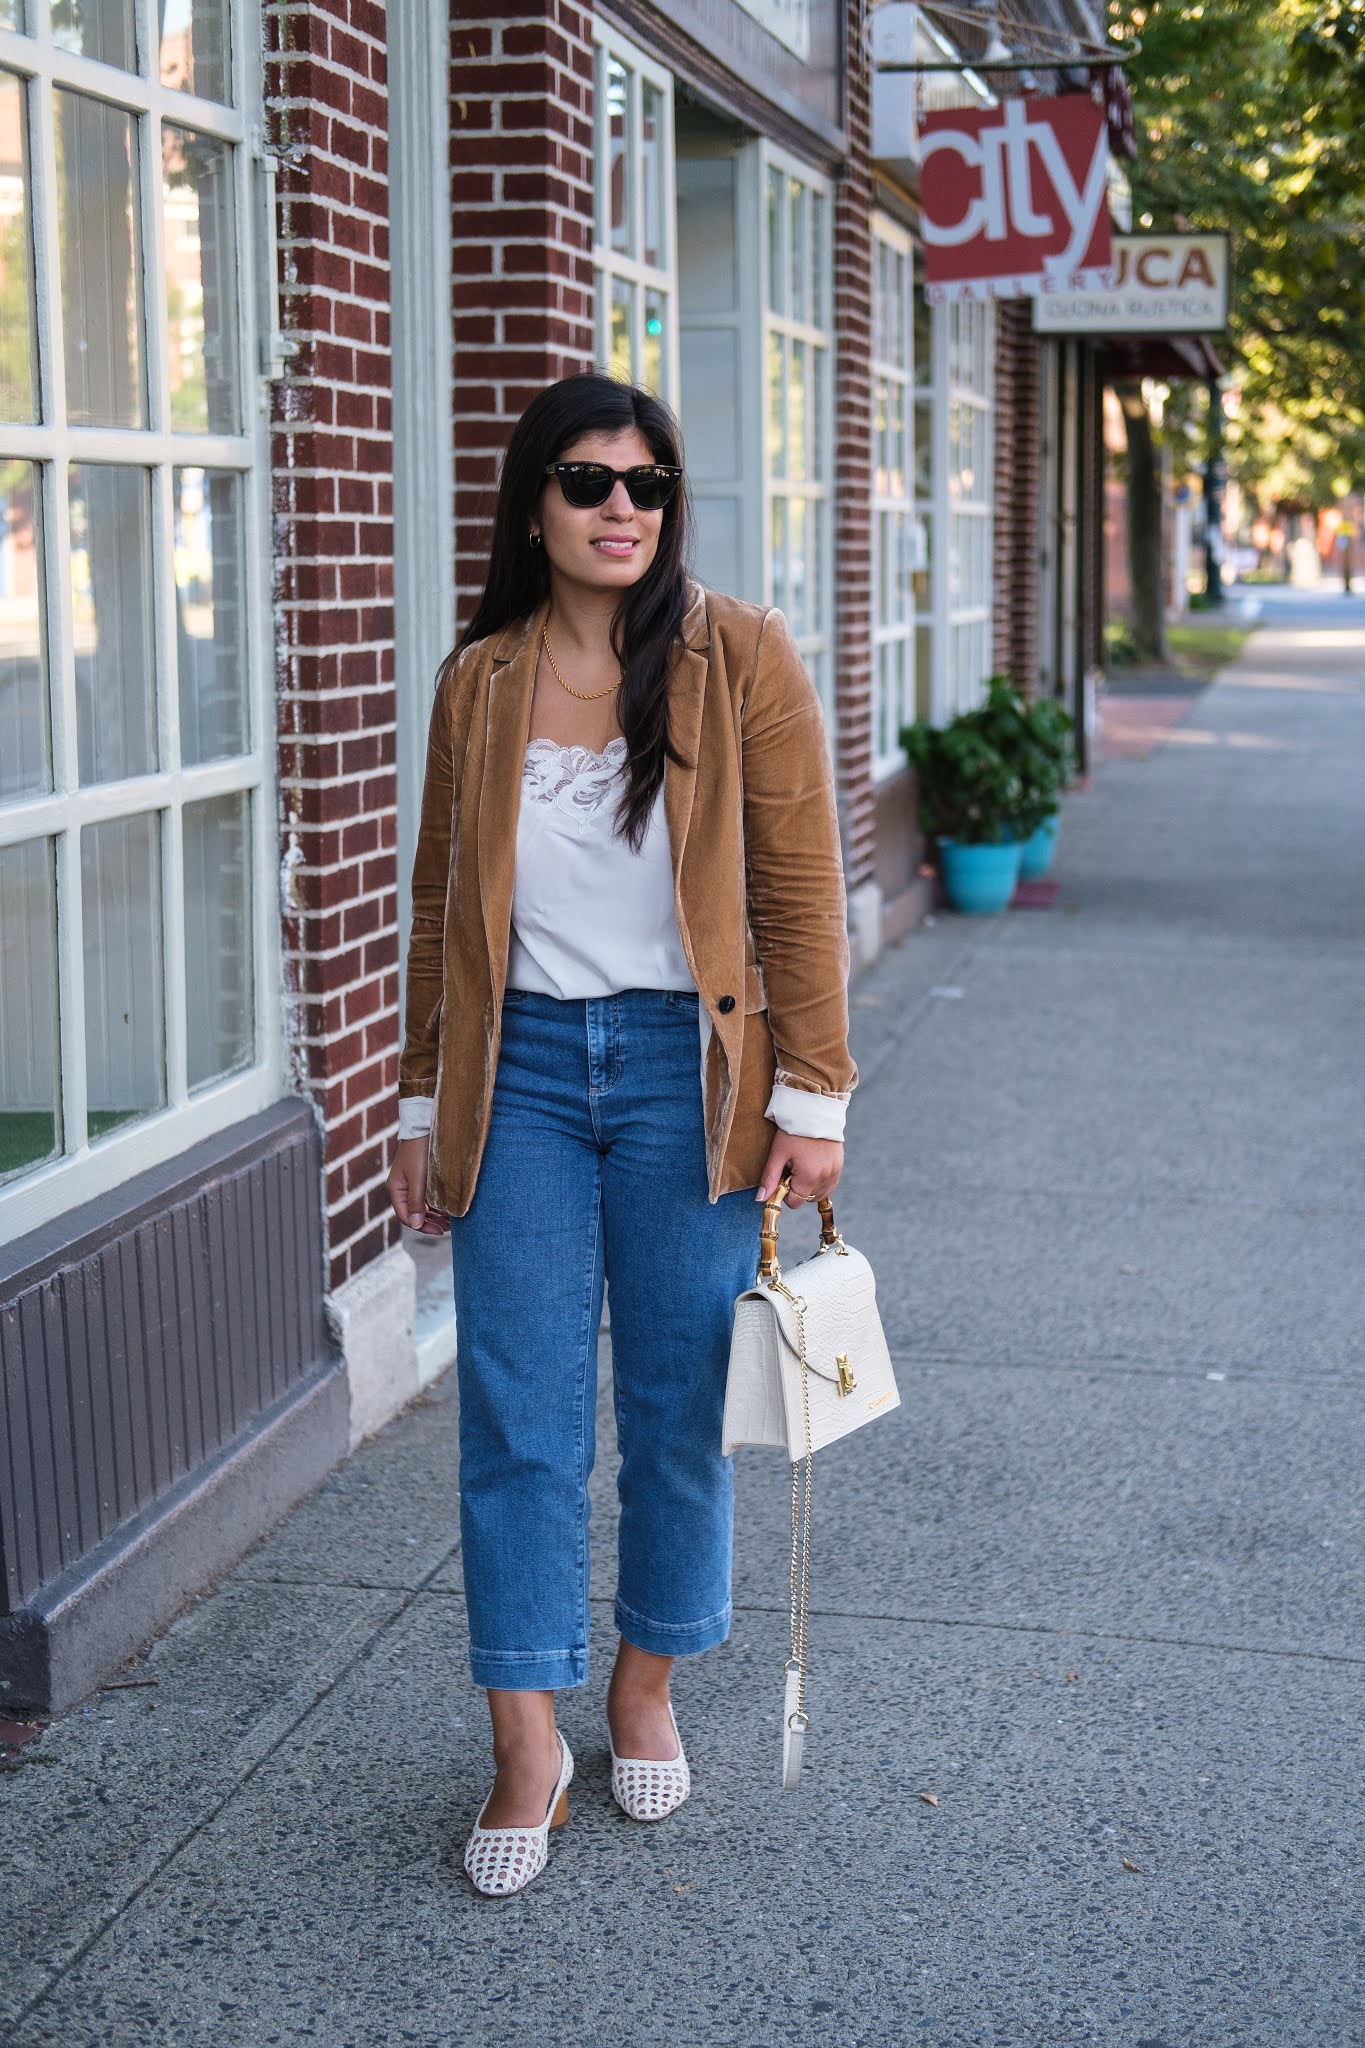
column 686, row 699
column 511, row 684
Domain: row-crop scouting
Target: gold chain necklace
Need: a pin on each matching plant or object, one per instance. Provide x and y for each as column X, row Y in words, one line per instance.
column 583, row 696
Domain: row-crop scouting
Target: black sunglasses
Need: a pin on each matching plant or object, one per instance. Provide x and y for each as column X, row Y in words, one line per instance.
column 585, row 484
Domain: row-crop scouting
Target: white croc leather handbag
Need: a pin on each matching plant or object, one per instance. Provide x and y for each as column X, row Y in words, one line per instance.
column 808, row 1364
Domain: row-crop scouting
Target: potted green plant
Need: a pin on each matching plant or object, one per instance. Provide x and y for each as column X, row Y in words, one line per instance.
column 1034, row 736
column 969, row 794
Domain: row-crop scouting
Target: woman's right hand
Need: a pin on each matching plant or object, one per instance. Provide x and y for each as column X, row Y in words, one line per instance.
column 408, row 1189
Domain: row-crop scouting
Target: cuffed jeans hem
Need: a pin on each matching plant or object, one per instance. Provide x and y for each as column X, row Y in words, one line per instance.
column 673, row 1639
column 528, row 1670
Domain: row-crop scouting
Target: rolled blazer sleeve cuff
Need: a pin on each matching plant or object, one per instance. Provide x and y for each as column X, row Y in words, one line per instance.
column 414, row 1115
column 803, row 1114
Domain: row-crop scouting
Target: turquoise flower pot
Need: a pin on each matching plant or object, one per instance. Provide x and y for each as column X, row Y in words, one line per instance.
column 980, row 880
column 1035, row 855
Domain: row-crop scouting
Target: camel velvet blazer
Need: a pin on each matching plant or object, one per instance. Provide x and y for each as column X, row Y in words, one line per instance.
column 758, row 884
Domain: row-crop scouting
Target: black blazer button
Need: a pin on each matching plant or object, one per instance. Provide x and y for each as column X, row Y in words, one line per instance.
column 725, row 1005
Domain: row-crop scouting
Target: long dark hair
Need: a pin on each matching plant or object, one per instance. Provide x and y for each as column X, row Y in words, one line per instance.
column 648, row 621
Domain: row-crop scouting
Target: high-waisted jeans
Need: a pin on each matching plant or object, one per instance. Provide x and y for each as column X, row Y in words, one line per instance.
column 595, row 1165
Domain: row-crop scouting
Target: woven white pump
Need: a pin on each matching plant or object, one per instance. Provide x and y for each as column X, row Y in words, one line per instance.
column 501, row 1861
column 647, row 1789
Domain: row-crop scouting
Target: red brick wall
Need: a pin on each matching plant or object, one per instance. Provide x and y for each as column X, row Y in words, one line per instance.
column 521, row 176
column 332, row 463
column 853, row 466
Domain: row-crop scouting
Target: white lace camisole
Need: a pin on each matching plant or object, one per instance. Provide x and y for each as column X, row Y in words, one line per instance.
column 591, row 917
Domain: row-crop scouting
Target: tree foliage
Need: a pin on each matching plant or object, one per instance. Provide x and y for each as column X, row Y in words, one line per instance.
column 1249, row 116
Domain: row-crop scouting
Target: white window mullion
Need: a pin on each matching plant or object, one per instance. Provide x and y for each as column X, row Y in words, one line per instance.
column 71, row 992
column 148, row 29
column 172, row 842
column 263, row 838
column 61, row 655
column 156, row 345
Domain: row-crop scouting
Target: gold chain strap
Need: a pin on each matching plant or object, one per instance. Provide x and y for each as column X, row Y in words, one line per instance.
column 803, row 1483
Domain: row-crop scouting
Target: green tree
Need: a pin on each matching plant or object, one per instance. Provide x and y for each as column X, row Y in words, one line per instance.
column 1248, row 115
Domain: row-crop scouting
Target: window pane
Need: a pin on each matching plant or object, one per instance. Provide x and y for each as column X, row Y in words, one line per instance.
column 819, row 262
column 798, row 592
column 924, row 448
column 798, row 385
column 201, row 286
column 776, row 299
column 111, row 621
column 652, row 367
column 210, row 583
column 195, row 51
column 619, row 360
column 102, row 29
column 12, row 14
column 25, row 760
column 798, row 199
column 921, row 556
column 219, row 1032
column 121, row 914
column 18, row 369
column 778, row 545
column 819, row 454
column 652, row 247
column 923, row 320
column 30, row 1104
column 880, row 345
column 98, row 231
column 618, row 160
column 777, row 408
column 902, row 604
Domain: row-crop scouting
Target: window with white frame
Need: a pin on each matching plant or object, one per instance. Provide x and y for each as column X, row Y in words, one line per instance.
column 895, row 526
column 134, row 829
column 953, row 468
column 969, row 352
column 798, row 426
column 634, row 252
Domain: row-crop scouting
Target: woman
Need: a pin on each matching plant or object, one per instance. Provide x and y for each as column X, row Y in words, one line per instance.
column 626, row 1010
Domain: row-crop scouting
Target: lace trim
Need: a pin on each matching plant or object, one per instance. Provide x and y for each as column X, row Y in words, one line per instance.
column 576, row 778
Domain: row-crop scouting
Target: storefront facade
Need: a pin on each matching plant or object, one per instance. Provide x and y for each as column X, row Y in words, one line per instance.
column 285, row 279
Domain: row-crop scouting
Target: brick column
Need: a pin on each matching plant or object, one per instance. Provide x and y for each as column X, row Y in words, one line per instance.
column 853, row 467
column 332, row 463
column 522, row 187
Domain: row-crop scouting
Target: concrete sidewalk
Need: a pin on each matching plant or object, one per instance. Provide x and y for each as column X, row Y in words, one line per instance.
column 1096, row 1587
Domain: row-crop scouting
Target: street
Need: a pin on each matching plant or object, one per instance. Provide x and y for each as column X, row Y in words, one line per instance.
column 1095, row 1589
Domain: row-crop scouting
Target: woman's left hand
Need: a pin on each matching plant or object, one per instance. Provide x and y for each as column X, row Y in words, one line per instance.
column 813, row 1163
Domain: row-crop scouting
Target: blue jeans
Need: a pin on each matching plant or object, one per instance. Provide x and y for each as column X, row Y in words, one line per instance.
column 595, row 1164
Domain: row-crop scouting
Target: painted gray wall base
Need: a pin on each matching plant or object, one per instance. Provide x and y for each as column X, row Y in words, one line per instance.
column 372, row 1320
column 864, row 926
column 97, row 1614
column 143, row 1333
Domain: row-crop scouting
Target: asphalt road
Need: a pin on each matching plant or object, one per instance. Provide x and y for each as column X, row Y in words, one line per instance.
column 1095, row 1589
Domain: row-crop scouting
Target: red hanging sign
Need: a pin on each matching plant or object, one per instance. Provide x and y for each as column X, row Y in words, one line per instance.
column 1014, row 198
